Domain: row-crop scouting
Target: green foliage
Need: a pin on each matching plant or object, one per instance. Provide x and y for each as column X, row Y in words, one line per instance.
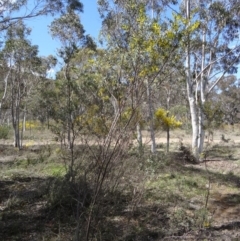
column 60, row 192
column 4, row 131
column 54, row 169
column 213, row 114
column 94, row 122
column 68, row 29
column 134, row 116
column 181, row 113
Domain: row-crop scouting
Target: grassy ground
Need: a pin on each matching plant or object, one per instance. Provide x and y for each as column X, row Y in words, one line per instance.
column 161, row 197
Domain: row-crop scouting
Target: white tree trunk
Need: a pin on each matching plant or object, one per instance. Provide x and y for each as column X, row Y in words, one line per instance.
column 5, row 92
column 201, row 130
column 115, row 105
column 190, row 91
column 205, row 65
column 194, row 122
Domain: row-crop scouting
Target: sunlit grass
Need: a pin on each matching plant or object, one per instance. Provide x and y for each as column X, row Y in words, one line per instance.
column 185, row 186
column 54, row 169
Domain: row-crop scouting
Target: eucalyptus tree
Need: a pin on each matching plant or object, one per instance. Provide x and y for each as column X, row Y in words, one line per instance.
column 69, row 118
column 36, row 105
column 212, row 51
column 23, row 66
column 108, row 116
column 227, row 95
column 99, row 103
column 5, row 72
column 69, row 30
column 11, row 11
column 149, row 43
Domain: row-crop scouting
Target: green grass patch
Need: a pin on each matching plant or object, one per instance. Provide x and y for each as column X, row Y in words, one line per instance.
column 4, row 131
column 54, row 169
column 220, row 151
column 167, row 185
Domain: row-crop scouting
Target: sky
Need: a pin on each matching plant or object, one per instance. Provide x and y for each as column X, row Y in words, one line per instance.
column 40, row 33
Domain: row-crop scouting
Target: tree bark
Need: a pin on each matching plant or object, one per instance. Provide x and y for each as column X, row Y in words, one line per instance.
column 168, row 138
column 201, row 130
column 194, row 122
column 5, row 92
column 150, row 117
column 139, row 137
column 190, row 92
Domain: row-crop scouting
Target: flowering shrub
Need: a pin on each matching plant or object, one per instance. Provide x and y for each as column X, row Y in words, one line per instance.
column 163, row 119
column 29, row 125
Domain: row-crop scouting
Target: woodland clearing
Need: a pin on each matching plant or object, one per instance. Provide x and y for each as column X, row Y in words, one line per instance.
column 165, row 197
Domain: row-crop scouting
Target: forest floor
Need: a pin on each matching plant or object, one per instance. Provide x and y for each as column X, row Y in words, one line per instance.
column 171, row 199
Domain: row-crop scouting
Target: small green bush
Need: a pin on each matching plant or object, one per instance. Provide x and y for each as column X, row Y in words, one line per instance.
column 4, row 131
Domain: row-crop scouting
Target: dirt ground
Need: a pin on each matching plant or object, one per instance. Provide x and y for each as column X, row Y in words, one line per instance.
column 24, row 212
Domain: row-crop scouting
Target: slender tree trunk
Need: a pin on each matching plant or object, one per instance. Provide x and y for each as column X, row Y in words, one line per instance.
column 190, row 92
column 115, row 105
column 194, row 122
column 139, row 137
column 4, row 93
column 16, row 104
column 16, row 130
column 168, row 108
column 202, row 97
column 24, row 120
column 18, row 143
column 150, row 117
column 70, row 136
column 13, row 111
column 48, row 124
column 150, row 108
column 201, row 131
column 69, row 115
column 168, row 138
column 15, row 121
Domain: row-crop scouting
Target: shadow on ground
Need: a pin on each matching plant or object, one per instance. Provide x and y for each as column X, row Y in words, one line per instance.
column 50, row 208
column 21, row 203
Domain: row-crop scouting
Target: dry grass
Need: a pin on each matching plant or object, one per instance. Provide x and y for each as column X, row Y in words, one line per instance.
column 159, row 197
